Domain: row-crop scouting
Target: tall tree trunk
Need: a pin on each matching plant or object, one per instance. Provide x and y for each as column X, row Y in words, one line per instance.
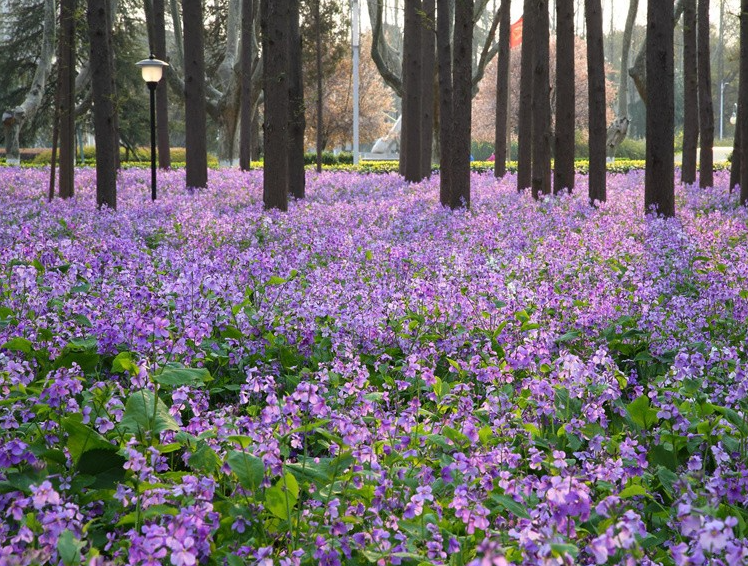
column 541, row 104
column 565, row 97
column 742, row 143
column 297, row 125
column 428, row 68
column 162, row 93
column 659, row 173
column 66, row 84
column 690, row 94
column 502, row 92
column 444, row 51
column 596, row 85
column 462, row 84
column 320, row 105
column 245, row 134
column 524, row 127
column 194, row 95
column 706, row 107
column 105, row 125
column 410, row 146
column 628, row 32
column 274, row 22
column 735, row 163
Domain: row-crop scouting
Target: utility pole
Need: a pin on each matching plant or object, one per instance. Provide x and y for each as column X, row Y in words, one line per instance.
column 356, row 42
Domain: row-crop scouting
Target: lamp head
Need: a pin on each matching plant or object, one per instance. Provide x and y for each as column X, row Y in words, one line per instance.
column 152, row 69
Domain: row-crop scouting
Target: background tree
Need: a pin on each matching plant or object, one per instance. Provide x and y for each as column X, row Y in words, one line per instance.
column 541, row 104
column 659, row 174
column 162, row 91
column 524, row 126
column 446, row 97
column 690, row 94
column 428, row 84
column 66, row 86
column 623, row 119
column 412, row 83
column 565, row 103
column 706, row 108
column 502, row 91
column 194, row 95
column 462, row 85
column 596, row 81
column 297, row 123
column 741, row 143
column 275, row 43
column 104, row 95
column 245, row 133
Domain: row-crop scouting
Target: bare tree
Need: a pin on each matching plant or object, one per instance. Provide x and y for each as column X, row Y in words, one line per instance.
column 274, row 23
column 462, row 69
column 565, row 97
column 619, row 128
column 743, row 109
column 659, row 173
column 410, row 146
column 297, row 123
column 162, row 92
column 194, row 95
column 428, row 70
column 446, row 96
column 541, row 103
column 524, row 126
column 706, row 107
column 596, row 86
column 690, row 94
column 66, row 86
column 14, row 119
column 502, row 91
column 104, row 95
column 245, row 134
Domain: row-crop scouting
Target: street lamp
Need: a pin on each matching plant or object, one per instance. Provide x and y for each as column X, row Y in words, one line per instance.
column 153, row 70
column 722, row 109
column 734, row 117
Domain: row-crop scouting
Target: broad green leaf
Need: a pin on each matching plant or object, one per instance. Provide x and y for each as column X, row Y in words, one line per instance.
column 140, row 415
column 632, row 491
column 281, row 498
column 178, row 376
column 204, row 459
column 123, row 362
column 641, row 412
column 275, row 280
column 667, row 479
column 69, row 548
column 506, row 502
column 560, row 549
column 249, row 469
column 82, row 438
column 103, row 464
column 151, row 512
column 734, row 418
column 18, row 344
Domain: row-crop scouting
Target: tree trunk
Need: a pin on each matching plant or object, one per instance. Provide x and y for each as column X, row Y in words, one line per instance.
column 444, row 51
column 13, row 120
column 297, row 125
column 66, row 84
column 194, row 95
column 541, row 104
column 502, row 92
column 565, row 97
column 245, row 135
column 706, row 107
column 274, row 22
column 743, row 109
column 428, row 68
column 735, row 162
column 628, row 32
column 162, row 93
column 410, row 146
column 318, row 34
column 524, row 127
column 690, row 94
column 659, row 174
column 596, row 85
column 462, row 84
column 104, row 96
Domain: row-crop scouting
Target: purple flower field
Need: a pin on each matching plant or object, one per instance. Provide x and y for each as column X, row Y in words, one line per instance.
column 371, row 378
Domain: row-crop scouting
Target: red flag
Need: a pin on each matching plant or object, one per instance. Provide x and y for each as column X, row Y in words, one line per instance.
column 515, row 34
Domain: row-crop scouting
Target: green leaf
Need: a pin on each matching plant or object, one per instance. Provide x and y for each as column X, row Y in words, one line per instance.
column 123, row 362
column 82, row 438
column 249, row 469
column 506, row 502
column 667, row 479
column 641, row 412
column 632, row 490
column 734, row 418
column 232, row 332
column 174, row 376
column 69, row 548
column 103, row 464
column 204, row 459
column 152, row 512
column 282, row 497
column 140, row 417
column 561, row 549
column 18, row 344
column 81, row 351
column 275, row 280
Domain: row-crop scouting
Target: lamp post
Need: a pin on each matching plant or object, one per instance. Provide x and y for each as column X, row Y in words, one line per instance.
column 734, row 117
column 722, row 109
column 153, row 70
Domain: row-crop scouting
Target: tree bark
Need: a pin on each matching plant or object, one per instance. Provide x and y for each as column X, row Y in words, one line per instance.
column 596, row 85
column 735, row 162
column 297, row 125
column 462, row 71
column 105, row 124
column 428, row 68
column 628, row 31
column 66, row 84
column 706, row 107
column 162, row 93
column 743, row 108
column 320, row 109
column 274, row 22
column 194, row 95
column 502, row 92
column 565, row 97
column 690, row 94
column 524, row 127
column 659, row 174
column 444, row 51
column 245, row 135
column 541, row 104
column 410, row 146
